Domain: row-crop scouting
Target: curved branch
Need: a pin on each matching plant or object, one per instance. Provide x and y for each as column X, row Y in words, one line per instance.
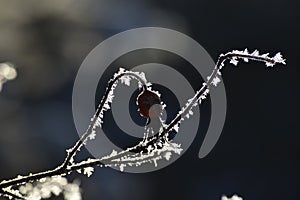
column 62, row 169
column 68, row 166
column 213, row 79
column 99, row 110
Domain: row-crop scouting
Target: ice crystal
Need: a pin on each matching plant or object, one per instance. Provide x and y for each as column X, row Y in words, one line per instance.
column 125, row 80
column 234, row 61
column 92, row 136
column 167, row 155
column 278, row 58
column 255, row 53
column 88, row 171
column 176, row 127
column 216, row 81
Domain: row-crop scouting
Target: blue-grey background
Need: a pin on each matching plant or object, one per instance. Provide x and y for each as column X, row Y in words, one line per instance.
column 257, row 155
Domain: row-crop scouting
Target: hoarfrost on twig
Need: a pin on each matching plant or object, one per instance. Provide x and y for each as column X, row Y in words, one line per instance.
column 149, row 150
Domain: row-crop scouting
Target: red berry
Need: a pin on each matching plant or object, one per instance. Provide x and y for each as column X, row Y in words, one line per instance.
column 147, row 100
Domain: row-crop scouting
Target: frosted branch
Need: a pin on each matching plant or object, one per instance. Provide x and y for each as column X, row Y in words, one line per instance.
column 104, row 105
column 213, row 80
column 149, row 150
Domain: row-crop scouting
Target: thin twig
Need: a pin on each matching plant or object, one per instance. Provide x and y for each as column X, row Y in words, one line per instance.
column 68, row 166
column 10, row 194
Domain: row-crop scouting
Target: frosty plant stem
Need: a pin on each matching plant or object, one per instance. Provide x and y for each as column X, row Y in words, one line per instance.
column 149, row 150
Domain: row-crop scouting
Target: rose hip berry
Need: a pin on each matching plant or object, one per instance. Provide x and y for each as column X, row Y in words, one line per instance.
column 146, row 101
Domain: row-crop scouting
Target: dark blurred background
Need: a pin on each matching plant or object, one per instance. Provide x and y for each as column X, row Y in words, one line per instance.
column 257, row 156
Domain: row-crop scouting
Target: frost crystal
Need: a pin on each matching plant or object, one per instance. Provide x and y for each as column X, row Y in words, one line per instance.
column 125, row 80
column 168, row 155
column 270, row 64
column 88, row 171
column 122, row 167
column 255, row 53
column 92, row 136
column 278, row 58
column 234, row 61
column 176, row 127
column 215, row 81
